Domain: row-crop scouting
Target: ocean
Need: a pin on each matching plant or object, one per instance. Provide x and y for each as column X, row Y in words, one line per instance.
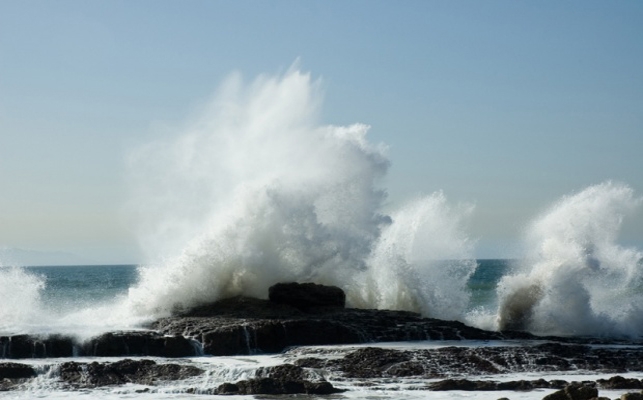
column 65, row 290
column 81, row 286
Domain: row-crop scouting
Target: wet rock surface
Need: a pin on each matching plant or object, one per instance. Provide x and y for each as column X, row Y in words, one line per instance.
column 144, row 372
column 26, row 346
column 245, row 326
column 618, row 382
column 12, row 375
column 375, row 362
column 313, row 315
column 473, row 385
column 300, row 315
column 282, row 379
column 16, row 371
column 113, row 344
column 305, row 296
column 574, row 391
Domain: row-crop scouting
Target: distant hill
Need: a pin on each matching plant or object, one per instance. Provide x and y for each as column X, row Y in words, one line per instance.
column 11, row 256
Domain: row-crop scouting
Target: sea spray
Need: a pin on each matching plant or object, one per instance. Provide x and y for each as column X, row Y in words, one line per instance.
column 422, row 260
column 257, row 191
column 20, row 305
column 578, row 280
column 31, row 303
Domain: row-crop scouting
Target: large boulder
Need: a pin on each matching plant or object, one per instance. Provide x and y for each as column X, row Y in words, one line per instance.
column 278, row 380
column 138, row 343
column 618, row 382
column 305, row 296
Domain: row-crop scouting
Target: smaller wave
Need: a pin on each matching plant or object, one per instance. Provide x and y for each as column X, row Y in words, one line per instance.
column 20, row 298
column 578, row 280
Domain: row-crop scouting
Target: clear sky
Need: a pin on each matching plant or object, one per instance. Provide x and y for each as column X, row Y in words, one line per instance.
column 506, row 104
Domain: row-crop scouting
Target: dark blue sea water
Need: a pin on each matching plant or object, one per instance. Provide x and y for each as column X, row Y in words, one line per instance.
column 85, row 283
column 483, row 282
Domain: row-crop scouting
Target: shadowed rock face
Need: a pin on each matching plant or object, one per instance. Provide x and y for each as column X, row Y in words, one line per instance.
column 144, row 372
column 374, row 362
column 26, row 346
column 281, row 379
column 113, row 344
column 16, row 371
column 575, row 391
column 12, row 375
column 241, row 325
column 304, row 296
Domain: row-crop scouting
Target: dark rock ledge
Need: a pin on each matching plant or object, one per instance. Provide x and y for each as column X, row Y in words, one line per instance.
column 372, row 363
column 298, row 314
column 77, row 375
column 116, row 344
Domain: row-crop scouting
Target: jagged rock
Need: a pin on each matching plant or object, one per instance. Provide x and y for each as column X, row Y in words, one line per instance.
column 244, row 308
column 26, row 346
column 632, row 396
column 574, row 391
column 261, row 326
column 305, row 296
column 12, row 375
column 618, row 382
column 374, row 362
column 469, row 385
column 16, row 371
column 523, row 385
column 283, row 372
column 462, row 384
column 281, row 379
column 144, row 372
column 274, row 387
column 113, row 344
column 138, row 343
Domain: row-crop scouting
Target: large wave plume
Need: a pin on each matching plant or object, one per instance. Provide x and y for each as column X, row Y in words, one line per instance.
column 257, row 191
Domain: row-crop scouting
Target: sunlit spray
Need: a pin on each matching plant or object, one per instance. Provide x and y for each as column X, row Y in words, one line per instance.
column 257, row 191
column 577, row 279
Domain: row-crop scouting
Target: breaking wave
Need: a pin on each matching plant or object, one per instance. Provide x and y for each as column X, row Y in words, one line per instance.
column 256, row 191
column 578, row 280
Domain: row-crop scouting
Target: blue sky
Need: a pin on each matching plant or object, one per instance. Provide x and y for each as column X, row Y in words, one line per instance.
column 508, row 105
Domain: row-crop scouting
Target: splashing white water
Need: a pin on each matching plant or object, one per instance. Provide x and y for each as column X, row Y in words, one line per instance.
column 257, row 191
column 25, row 309
column 578, row 281
column 422, row 261
column 20, row 293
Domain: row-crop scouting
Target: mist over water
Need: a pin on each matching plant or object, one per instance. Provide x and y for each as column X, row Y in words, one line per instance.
column 257, row 191
column 578, row 280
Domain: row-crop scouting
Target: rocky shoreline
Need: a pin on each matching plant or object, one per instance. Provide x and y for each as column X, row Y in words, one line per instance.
column 307, row 315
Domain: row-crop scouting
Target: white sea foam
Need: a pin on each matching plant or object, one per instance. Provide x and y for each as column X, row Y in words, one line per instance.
column 257, row 191
column 422, row 260
column 578, row 280
column 20, row 304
